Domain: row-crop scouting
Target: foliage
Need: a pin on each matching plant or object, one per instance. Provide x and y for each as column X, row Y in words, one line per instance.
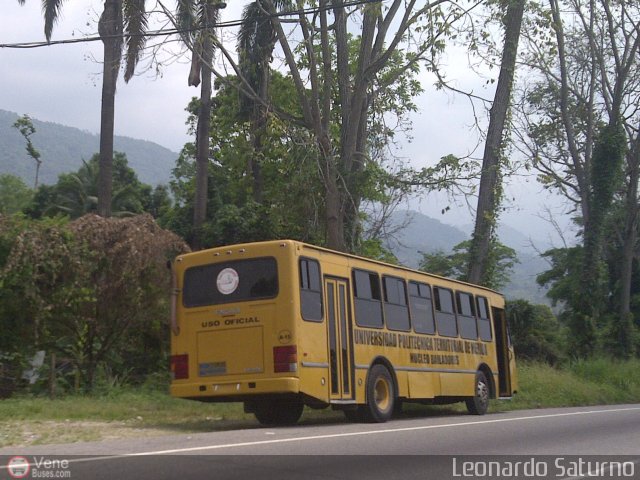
column 37, row 272
column 354, row 82
column 455, row 265
column 289, row 172
column 567, row 284
column 374, row 249
column 563, row 276
column 25, row 126
column 76, row 194
column 598, row 381
column 92, row 290
column 536, row 332
column 14, row 194
column 446, row 265
column 579, row 122
column 606, row 177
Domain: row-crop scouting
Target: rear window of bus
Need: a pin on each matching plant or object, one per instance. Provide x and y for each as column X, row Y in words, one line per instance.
column 228, row 282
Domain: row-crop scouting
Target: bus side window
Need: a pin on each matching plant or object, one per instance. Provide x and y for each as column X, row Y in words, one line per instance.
column 396, row 311
column 310, row 290
column 466, row 316
column 484, row 322
column 421, row 308
column 368, row 300
column 445, row 315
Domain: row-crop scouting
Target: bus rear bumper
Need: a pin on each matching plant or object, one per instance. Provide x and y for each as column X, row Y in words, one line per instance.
column 234, row 390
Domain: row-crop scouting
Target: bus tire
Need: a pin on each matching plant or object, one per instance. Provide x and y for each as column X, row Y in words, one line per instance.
column 278, row 412
column 380, row 395
column 479, row 403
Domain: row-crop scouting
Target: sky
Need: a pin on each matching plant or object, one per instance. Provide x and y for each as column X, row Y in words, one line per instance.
column 62, row 84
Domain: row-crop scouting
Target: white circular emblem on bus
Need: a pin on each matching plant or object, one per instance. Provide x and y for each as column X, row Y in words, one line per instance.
column 227, row 281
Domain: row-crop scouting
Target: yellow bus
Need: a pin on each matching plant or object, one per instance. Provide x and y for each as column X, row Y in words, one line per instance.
column 283, row 324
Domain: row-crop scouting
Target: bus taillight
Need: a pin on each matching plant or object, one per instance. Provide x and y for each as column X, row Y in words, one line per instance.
column 285, row 359
column 179, row 367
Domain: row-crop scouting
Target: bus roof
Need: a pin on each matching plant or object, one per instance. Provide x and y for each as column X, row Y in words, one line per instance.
column 333, row 252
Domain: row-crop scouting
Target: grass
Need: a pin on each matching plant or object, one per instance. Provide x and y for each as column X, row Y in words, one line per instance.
column 585, row 382
column 124, row 411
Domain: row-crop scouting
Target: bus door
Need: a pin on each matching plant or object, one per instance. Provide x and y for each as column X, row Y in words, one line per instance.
column 339, row 335
column 504, row 352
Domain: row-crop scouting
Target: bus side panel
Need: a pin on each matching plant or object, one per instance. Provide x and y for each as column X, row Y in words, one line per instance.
column 423, row 384
column 313, row 353
column 314, row 364
column 457, row 384
column 403, row 379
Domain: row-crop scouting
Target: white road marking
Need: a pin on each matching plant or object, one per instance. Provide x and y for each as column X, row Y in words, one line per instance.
column 343, row 435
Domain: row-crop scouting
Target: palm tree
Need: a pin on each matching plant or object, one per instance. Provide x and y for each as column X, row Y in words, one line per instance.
column 256, row 41
column 122, row 25
column 197, row 19
column 77, row 192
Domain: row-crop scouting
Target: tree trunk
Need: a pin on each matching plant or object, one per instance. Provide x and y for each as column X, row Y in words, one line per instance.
column 352, row 226
column 630, row 239
column 490, row 184
column 110, row 28
column 334, row 212
column 202, row 134
column 259, row 125
column 35, row 186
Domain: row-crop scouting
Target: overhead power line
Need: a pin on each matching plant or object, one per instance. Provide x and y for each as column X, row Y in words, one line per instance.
column 174, row 31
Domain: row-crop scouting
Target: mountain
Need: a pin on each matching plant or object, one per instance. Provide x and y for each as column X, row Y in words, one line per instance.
column 63, row 149
column 515, row 239
column 418, row 233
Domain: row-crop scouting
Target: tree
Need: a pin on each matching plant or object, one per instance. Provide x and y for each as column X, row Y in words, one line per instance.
column 290, row 180
column 535, row 331
column 256, row 41
column 122, row 25
column 490, row 181
column 607, row 160
column 82, row 288
column 197, row 19
column 25, row 126
column 14, row 194
column 628, row 249
column 500, row 261
column 76, row 193
column 320, row 68
column 579, row 110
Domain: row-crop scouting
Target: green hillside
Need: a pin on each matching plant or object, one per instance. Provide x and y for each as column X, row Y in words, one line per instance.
column 63, row 149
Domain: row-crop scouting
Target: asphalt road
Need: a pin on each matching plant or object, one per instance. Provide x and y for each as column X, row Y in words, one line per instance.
column 587, row 442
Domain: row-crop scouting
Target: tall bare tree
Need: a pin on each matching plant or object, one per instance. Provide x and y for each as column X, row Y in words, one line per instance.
column 490, row 181
column 586, row 98
column 415, row 28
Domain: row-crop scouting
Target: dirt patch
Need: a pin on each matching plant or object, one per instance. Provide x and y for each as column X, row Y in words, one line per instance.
column 25, row 433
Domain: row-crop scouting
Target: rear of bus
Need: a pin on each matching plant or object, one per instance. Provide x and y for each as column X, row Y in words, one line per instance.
column 233, row 329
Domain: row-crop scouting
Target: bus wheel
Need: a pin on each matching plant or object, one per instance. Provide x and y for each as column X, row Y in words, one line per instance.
column 380, row 395
column 479, row 403
column 278, row 411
